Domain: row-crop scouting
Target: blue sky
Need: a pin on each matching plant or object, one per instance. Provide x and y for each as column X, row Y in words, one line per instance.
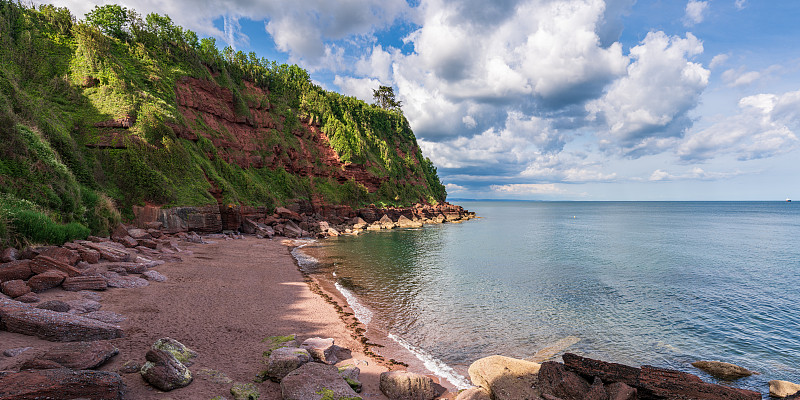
column 554, row 99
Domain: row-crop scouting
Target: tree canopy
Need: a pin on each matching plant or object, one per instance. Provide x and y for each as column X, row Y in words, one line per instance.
column 384, row 98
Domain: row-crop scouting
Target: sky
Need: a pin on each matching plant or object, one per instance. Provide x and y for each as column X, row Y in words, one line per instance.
column 553, row 99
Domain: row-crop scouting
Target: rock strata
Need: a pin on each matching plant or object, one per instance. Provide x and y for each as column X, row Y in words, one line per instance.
column 81, row 355
column 61, row 384
column 53, row 326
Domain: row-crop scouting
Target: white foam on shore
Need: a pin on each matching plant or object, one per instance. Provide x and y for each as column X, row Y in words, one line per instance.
column 304, row 260
column 361, row 312
column 433, row 364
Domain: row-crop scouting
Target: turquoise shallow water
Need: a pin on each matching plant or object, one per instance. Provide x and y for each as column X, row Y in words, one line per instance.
column 651, row 283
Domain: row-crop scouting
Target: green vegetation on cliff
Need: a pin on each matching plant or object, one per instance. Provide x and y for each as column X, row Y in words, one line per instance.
column 100, row 115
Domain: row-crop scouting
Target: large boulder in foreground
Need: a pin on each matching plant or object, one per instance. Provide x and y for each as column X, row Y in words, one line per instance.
column 53, row 326
column 284, row 360
column 783, row 388
column 61, row 383
column 474, row 393
column 164, row 372
column 315, row 381
column 505, row 377
column 404, row 385
column 556, row 381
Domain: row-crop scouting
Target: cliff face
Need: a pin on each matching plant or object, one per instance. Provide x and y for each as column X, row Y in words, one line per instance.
column 246, row 141
column 96, row 121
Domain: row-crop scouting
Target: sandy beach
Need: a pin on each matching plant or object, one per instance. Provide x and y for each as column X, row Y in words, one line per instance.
column 221, row 301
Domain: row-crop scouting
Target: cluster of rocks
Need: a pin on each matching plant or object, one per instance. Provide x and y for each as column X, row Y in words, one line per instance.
column 292, row 224
column 308, row 372
column 581, row 378
column 85, row 267
column 66, row 371
column 122, row 261
column 298, row 219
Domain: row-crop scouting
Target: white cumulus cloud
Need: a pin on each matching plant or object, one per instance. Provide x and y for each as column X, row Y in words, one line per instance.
column 695, row 10
column 765, row 126
column 647, row 109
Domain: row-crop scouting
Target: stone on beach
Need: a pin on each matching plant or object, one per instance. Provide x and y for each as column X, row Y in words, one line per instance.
column 404, row 385
column 505, row 377
column 556, row 381
column 29, row 297
column 42, row 264
column 783, row 388
column 15, row 270
column 54, row 305
column 321, row 350
column 61, row 384
column 154, row 276
column 82, row 306
column 116, row 280
column 350, row 373
column 178, row 350
column 46, row 280
column 315, row 381
column 53, row 326
column 15, row 288
column 164, row 372
column 722, row 370
column 620, row 391
column 81, row 355
column 284, row 360
column 61, row 255
column 245, row 391
column 15, row 351
column 89, row 282
column 9, row 254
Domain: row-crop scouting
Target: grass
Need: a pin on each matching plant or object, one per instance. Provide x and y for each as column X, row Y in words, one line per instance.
column 60, row 76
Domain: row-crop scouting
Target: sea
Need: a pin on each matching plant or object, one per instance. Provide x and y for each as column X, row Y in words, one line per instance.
column 637, row 283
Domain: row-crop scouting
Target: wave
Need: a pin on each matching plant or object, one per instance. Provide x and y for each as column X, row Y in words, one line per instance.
column 305, row 261
column 361, row 312
column 434, row 365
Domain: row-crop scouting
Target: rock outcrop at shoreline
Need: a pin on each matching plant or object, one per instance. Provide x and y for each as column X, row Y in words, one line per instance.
column 581, row 378
column 299, row 219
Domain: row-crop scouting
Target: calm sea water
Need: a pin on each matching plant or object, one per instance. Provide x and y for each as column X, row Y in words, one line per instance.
column 651, row 283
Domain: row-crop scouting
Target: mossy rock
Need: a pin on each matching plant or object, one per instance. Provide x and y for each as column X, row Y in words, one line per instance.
column 276, row 342
column 245, row 391
column 182, row 353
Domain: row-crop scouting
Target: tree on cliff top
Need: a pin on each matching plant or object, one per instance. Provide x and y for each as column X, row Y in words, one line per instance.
column 384, row 98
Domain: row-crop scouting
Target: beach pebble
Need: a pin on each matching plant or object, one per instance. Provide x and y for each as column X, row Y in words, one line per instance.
column 783, row 388
column 722, row 370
